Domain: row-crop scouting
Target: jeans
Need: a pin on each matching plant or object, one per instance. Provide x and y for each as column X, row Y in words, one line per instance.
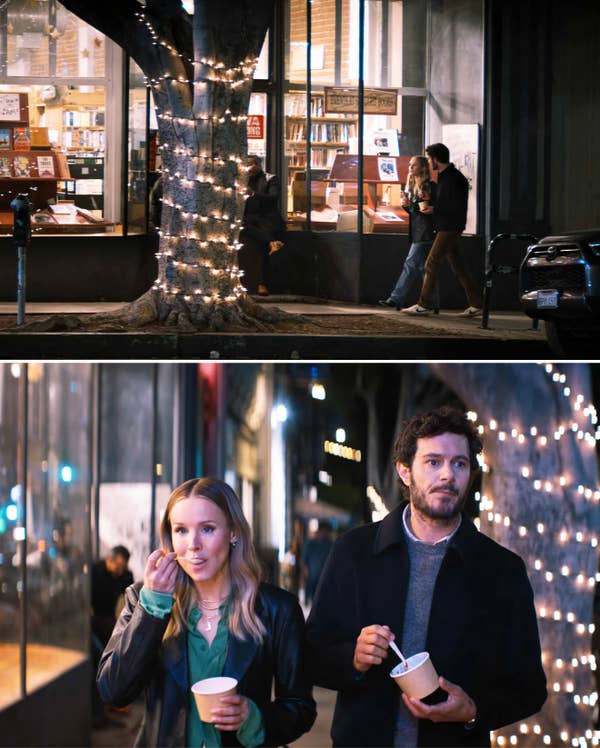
column 411, row 272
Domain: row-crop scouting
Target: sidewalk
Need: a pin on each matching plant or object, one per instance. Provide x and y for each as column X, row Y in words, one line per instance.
column 343, row 331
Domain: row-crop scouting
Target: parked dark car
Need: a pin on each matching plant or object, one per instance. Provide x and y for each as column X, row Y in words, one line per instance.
column 559, row 282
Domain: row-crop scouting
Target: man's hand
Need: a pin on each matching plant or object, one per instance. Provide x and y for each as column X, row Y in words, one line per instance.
column 459, row 706
column 371, row 647
column 160, row 573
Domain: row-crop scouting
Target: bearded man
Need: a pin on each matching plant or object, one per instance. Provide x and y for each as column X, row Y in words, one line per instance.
column 425, row 577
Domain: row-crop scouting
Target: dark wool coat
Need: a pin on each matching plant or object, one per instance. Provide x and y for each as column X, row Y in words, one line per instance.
column 136, row 659
column 482, row 633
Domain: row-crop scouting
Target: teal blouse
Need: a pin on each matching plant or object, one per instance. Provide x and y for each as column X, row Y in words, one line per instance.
column 205, row 662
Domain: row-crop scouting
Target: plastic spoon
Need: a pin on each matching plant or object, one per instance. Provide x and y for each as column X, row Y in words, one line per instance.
column 400, row 655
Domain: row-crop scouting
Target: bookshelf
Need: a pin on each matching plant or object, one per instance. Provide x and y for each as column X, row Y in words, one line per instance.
column 27, row 162
column 329, row 133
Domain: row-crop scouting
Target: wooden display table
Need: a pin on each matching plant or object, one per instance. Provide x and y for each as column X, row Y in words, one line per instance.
column 78, row 224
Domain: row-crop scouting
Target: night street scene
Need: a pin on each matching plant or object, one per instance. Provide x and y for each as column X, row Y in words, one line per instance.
column 256, row 184
column 305, row 446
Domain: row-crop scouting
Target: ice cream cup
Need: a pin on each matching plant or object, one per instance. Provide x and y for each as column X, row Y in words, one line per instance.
column 208, row 693
column 419, row 679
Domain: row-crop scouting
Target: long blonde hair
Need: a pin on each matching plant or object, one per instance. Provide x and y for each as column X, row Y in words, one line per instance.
column 244, row 567
column 415, row 181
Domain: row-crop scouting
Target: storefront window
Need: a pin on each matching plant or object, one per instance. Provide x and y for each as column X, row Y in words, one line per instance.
column 60, row 143
column 10, row 508
column 322, row 129
column 57, row 519
column 137, row 148
column 48, row 523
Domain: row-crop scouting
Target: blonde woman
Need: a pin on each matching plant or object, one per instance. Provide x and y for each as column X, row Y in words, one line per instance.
column 203, row 612
column 421, row 231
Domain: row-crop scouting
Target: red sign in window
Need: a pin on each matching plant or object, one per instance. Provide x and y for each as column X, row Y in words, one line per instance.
column 256, row 126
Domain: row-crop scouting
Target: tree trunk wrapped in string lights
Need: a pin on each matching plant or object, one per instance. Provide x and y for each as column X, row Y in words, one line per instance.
column 199, row 69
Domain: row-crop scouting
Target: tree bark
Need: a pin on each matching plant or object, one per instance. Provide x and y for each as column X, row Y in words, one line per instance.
column 200, row 72
column 552, row 524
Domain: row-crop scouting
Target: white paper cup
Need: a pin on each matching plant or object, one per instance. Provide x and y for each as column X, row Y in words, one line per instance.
column 208, row 693
column 420, row 679
column 423, row 204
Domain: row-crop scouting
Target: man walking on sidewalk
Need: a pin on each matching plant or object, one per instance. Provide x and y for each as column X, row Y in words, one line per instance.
column 450, row 215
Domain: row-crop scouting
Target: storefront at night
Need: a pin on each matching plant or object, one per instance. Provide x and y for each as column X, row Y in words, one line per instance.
column 344, row 93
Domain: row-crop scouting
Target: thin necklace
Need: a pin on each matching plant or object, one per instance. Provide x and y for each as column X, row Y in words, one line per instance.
column 208, row 619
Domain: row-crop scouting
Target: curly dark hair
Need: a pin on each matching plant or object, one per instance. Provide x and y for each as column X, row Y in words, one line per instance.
column 438, row 151
column 433, row 423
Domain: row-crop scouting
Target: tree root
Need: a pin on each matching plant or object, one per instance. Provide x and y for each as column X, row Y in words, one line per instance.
column 176, row 314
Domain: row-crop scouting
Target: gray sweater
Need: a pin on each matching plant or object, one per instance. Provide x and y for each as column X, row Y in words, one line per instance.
column 425, row 560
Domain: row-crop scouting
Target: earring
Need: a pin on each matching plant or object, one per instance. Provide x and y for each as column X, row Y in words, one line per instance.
column 234, row 542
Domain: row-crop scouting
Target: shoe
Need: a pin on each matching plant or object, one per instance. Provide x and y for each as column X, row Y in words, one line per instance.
column 417, row 309
column 389, row 303
column 471, row 311
column 262, row 290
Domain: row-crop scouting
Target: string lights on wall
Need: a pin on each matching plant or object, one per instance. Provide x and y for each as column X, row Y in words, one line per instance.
column 202, row 192
column 547, row 574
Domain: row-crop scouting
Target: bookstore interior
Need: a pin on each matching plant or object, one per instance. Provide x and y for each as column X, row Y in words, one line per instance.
column 63, row 101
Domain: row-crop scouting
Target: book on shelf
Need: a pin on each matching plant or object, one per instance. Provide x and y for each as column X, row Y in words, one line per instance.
column 5, row 167
column 5, row 138
column 45, row 166
column 21, row 139
column 21, row 166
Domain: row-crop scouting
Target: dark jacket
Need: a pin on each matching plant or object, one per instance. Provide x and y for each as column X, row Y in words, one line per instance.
column 482, row 633
column 421, row 226
column 261, row 211
column 452, row 196
column 136, row 659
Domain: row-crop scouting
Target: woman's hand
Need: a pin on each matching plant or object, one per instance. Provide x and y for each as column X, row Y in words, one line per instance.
column 232, row 714
column 160, row 573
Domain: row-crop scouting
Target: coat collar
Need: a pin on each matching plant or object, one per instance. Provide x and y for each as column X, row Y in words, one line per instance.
column 240, row 654
column 391, row 533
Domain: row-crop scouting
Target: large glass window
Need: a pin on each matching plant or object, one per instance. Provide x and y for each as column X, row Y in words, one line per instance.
column 44, row 527
column 371, row 60
column 61, row 114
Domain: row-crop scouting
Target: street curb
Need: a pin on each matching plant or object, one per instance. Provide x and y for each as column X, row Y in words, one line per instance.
column 261, row 346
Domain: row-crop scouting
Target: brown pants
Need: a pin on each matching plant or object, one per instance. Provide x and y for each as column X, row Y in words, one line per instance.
column 445, row 247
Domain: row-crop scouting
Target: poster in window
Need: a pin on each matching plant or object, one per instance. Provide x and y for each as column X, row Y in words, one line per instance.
column 10, row 107
column 388, row 171
column 5, row 170
column 463, row 143
column 21, row 139
column 5, row 141
column 21, row 166
column 45, row 166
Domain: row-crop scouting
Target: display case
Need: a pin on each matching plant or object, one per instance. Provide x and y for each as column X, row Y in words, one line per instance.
column 334, row 197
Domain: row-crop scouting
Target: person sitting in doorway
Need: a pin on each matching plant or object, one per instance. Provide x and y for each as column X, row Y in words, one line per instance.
column 262, row 225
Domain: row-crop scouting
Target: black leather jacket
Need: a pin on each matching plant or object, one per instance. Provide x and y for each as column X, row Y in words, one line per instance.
column 136, row 658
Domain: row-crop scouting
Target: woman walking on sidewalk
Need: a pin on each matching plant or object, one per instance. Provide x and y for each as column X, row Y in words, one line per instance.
column 420, row 191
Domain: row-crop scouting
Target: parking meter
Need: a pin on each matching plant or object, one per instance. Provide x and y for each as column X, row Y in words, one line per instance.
column 22, row 236
column 22, row 221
